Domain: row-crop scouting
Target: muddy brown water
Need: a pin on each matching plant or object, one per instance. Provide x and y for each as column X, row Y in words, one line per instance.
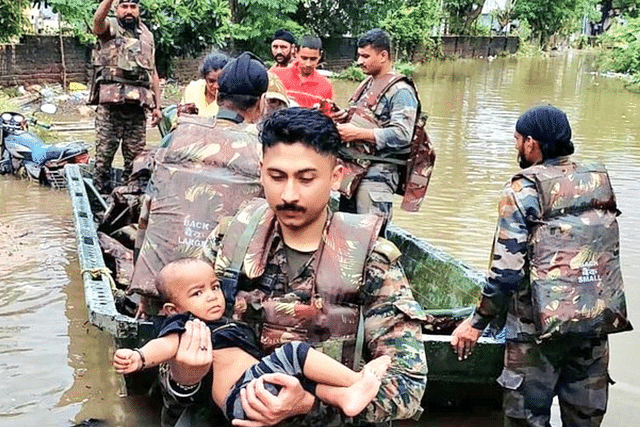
column 56, row 368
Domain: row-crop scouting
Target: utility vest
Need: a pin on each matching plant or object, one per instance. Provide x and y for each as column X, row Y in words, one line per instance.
column 329, row 317
column 210, row 169
column 574, row 253
column 415, row 163
column 123, row 67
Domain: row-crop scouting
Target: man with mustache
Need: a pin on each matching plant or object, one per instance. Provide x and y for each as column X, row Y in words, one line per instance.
column 125, row 84
column 554, row 280
column 296, row 270
column 282, row 48
column 303, row 82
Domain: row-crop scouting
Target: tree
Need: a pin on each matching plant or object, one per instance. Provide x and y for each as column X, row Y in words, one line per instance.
column 184, row 27
column 410, row 25
column 462, row 14
column 505, row 15
column 549, row 18
column 339, row 17
column 255, row 21
column 12, row 19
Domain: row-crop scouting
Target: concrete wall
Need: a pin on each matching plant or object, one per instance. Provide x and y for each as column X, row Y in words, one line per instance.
column 38, row 59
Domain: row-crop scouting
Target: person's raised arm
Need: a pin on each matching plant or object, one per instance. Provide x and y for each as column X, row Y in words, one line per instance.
column 100, row 25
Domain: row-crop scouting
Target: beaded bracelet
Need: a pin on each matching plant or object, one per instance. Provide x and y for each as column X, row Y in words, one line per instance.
column 142, row 359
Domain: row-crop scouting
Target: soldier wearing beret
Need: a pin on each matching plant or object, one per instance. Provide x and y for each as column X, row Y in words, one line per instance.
column 125, row 84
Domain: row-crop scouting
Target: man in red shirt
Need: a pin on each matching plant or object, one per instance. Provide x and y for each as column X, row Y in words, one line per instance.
column 303, row 83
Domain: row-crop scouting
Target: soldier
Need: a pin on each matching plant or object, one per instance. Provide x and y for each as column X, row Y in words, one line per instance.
column 394, row 109
column 298, row 271
column 125, row 82
column 555, row 275
column 183, row 193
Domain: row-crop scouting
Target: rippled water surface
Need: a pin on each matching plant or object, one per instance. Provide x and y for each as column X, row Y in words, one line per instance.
column 57, row 369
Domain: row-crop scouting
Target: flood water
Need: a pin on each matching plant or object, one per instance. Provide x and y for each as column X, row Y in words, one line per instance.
column 56, row 368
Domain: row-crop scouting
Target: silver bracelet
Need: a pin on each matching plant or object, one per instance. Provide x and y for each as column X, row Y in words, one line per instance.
column 182, row 390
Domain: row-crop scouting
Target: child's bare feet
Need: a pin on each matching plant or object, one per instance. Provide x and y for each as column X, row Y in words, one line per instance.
column 378, row 366
column 358, row 395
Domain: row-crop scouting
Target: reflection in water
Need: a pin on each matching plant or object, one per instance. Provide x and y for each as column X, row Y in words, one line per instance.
column 58, row 367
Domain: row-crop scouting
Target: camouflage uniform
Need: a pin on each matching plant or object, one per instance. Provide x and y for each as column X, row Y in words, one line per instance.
column 573, row 368
column 397, row 112
column 211, row 168
column 123, row 68
column 392, row 318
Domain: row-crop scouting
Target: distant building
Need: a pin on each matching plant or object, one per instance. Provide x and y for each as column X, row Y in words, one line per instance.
column 44, row 20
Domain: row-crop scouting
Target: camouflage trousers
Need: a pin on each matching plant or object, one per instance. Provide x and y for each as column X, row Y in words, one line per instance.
column 374, row 193
column 574, row 369
column 117, row 123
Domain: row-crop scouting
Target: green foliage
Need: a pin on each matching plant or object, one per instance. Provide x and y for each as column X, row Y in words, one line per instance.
column 410, row 25
column 406, row 68
column 621, row 49
column 12, row 19
column 338, row 17
column 482, row 30
column 353, row 73
column 77, row 15
column 255, row 21
column 462, row 14
column 558, row 17
column 187, row 27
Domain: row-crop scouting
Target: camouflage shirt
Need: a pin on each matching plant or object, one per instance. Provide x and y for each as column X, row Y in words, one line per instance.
column 392, row 324
column 508, row 275
column 396, row 111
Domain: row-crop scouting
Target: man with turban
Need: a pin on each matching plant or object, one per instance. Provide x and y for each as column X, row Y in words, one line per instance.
column 556, row 251
column 282, row 47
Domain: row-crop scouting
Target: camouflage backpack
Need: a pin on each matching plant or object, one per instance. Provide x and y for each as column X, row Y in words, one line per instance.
column 574, row 252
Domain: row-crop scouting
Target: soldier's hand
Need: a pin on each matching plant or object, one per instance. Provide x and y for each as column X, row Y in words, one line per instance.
column 156, row 116
column 339, row 115
column 194, row 356
column 262, row 408
column 464, row 339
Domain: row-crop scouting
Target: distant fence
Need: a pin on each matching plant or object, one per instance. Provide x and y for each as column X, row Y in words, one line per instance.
column 39, row 59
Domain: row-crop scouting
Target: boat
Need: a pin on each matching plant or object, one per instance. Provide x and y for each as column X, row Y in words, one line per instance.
column 437, row 279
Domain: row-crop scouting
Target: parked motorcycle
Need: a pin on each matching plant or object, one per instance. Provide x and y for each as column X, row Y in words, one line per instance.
column 24, row 153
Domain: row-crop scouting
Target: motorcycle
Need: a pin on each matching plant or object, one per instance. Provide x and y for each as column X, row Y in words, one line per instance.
column 25, row 154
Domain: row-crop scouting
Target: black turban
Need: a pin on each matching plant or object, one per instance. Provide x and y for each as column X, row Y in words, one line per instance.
column 285, row 35
column 545, row 123
column 245, row 75
column 128, row 1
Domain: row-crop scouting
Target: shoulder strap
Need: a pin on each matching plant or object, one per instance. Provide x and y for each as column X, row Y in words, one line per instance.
column 231, row 275
column 358, row 93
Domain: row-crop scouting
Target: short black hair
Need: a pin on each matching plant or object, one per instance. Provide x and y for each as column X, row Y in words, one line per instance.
column 213, row 62
column 377, row 39
column 305, row 125
column 310, row 42
column 237, row 101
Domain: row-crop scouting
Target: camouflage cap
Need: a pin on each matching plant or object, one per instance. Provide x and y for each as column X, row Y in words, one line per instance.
column 276, row 89
column 245, row 75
